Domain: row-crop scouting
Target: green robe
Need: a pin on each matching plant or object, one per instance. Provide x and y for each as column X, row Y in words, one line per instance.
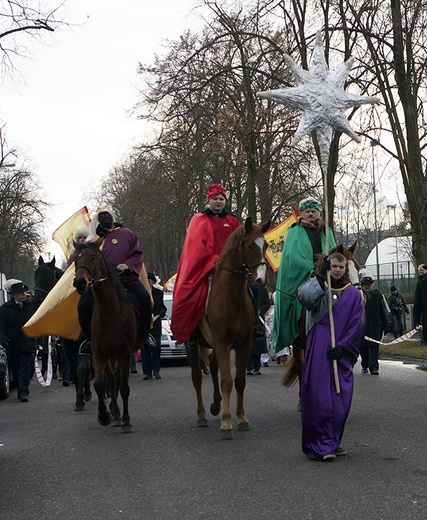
column 296, row 267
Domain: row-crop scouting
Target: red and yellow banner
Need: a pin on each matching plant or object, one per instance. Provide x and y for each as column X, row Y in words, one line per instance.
column 65, row 233
column 276, row 237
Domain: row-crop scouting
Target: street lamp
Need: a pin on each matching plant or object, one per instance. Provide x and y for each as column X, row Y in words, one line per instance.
column 375, row 142
column 393, row 207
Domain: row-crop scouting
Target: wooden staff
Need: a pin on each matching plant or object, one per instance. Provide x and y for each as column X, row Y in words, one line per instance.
column 324, row 159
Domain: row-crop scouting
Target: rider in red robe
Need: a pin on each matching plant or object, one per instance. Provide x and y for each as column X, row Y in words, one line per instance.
column 206, row 237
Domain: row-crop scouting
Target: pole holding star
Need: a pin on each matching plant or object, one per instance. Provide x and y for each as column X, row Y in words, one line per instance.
column 320, row 95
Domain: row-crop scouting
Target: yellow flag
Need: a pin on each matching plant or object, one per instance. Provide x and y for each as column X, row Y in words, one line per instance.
column 64, row 234
column 276, row 237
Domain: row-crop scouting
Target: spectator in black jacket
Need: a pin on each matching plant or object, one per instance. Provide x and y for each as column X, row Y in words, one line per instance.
column 420, row 303
column 151, row 356
column 20, row 349
column 375, row 325
column 397, row 308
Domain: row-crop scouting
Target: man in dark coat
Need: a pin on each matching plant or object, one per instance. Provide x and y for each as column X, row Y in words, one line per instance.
column 151, row 356
column 259, row 345
column 397, row 308
column 420, row 304
column 376, row 323
column 20, row 349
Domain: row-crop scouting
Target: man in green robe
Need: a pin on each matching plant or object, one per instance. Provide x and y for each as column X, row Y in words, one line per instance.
column 304, row 240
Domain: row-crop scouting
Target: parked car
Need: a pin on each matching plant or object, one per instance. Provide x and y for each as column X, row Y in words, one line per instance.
column 4, row 374
column 170, row 349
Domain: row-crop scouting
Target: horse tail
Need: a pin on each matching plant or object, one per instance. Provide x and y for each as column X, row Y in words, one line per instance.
column 290, row 373
column 293, row 368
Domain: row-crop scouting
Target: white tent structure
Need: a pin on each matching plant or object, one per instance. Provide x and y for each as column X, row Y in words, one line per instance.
column 394, row 258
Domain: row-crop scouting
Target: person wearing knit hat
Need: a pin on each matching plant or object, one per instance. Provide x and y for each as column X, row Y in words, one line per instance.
column 304, row 241
column 20, row 349
column 205, row 239
column 81, row 234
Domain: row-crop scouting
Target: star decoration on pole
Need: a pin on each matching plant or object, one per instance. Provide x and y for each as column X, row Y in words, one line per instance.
column 319, row 94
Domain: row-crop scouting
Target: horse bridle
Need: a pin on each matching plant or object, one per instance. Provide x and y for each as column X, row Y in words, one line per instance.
column 246, row 270
column 92, row 273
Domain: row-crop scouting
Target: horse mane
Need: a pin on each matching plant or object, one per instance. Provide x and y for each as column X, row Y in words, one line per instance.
column 230, row 246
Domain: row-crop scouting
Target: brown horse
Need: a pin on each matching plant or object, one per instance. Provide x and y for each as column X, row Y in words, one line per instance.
column 230, row 318
column 114, row 331
column 293, row 368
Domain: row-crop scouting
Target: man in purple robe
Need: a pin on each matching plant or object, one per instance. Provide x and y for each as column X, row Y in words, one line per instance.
column 122, row 249
column 323, row 411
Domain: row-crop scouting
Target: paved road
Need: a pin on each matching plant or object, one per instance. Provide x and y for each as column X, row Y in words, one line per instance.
column 58, row 463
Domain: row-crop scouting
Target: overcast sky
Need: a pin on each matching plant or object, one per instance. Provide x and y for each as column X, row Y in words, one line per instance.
column 70, row 118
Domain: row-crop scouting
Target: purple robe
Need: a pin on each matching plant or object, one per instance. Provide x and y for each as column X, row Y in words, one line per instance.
column 121, row 246
column 323, row 411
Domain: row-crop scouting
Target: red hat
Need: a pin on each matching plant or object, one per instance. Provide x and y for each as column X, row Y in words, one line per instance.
column 216, row 189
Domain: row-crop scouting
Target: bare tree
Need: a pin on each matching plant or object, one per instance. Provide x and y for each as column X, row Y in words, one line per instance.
column 22, row 21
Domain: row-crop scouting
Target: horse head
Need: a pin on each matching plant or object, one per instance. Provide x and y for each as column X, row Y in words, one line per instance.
column 87, row 262
column 251, row 251
column 353, row 267
column 45, row 277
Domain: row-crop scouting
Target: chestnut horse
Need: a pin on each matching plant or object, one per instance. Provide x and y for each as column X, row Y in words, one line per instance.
column 115, row 333
column 293, row 369
column 230, row 318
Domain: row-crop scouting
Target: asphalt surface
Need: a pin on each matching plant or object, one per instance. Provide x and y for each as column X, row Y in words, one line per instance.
column 55, row 462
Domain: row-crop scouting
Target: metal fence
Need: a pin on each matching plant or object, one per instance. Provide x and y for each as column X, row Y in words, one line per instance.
column 400, row 274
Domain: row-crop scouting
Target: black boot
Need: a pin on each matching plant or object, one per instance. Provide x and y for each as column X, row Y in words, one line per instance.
column 150, row 342
column 259, row 331
column 193, row 342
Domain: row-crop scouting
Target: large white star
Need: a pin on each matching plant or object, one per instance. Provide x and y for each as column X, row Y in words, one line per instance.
column 319, row 94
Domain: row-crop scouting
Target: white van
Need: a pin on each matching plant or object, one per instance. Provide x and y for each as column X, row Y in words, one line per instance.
column 170, row 349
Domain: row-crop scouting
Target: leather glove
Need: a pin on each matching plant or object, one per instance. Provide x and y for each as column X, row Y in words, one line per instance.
column 6, row 345
column 335, row 352
column 326, row 266
column 162, row 314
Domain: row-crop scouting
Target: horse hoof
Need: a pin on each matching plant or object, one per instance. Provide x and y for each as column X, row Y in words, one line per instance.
column 104, row 421
column 243, row 427
column 227, row 435
column 202, row 423
column 215, row 409
column 116, row 422
column 79, row 408
column 88, row 397
column 127, row 429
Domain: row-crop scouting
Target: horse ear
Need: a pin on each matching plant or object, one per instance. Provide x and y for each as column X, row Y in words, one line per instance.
column 265, row 227
column 248, row 225
column 98, row 242
column 41, row 261
column 352, row 248
column 340, row 249
column 52, row 263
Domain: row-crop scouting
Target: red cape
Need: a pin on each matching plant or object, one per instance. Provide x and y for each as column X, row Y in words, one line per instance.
column 205, row 239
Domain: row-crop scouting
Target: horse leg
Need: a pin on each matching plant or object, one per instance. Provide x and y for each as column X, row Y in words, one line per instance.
column 217, row 397
column 196, row 377
column 83, row 366
column 124, row 393
column 242, row 357
column 112, row 379
column 104, row 417
column 223, row 356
